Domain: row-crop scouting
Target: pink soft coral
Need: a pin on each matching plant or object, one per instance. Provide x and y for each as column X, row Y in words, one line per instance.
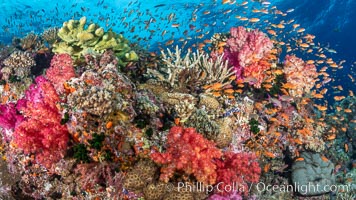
column 300, row 74
column 190, row 152
column 244, row 48
column 236, row 172
column 61, row 70
column 9, row 119
column 41, row 132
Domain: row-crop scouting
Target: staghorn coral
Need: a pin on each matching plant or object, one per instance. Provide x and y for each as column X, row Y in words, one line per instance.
column 17, row 64
column 300, row 74
column 30, row 42
column 191, row 71
column 175, row 65
column 190, row 152
column 50, row 35
column 61, row 70
column 41, row 132
column 79, row 40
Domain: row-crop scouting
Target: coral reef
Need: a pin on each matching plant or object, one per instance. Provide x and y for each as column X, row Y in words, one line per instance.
column 85, row 114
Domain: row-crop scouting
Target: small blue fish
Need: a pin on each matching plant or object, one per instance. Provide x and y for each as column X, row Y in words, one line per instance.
column 229, row 112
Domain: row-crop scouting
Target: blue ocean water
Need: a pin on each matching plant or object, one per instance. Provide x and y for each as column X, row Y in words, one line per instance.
column 149, row 23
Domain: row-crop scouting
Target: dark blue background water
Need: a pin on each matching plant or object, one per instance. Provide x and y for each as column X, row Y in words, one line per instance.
column 333, row 22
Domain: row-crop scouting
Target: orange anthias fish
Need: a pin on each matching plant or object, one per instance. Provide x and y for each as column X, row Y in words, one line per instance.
column 299, row 159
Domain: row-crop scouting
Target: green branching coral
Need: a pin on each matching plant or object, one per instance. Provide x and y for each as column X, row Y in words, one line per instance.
column 254, row 126
column 97, row 141
column 81, row 153
column 78, row 40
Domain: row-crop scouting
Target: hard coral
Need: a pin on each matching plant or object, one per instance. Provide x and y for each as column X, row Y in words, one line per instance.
column 17, row 64
column 238, row 169
column 79, row 40
column 190, row 152
column 41, row 132
column 61, row 70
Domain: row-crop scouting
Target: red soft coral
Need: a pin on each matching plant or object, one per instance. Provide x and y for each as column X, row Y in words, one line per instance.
column 41, row 132
column 236, row 171
column 190, row 152
column 61, row 70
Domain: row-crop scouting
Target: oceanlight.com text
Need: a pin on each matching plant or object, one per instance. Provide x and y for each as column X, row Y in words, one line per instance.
column 261, row 187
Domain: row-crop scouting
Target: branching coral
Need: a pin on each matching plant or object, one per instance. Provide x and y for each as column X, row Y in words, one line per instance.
column 31, row 42
column 50, row 35
column 61, row 70
column 41, row 132
column 190, row 152
column 300, row 74
column 192, row 70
